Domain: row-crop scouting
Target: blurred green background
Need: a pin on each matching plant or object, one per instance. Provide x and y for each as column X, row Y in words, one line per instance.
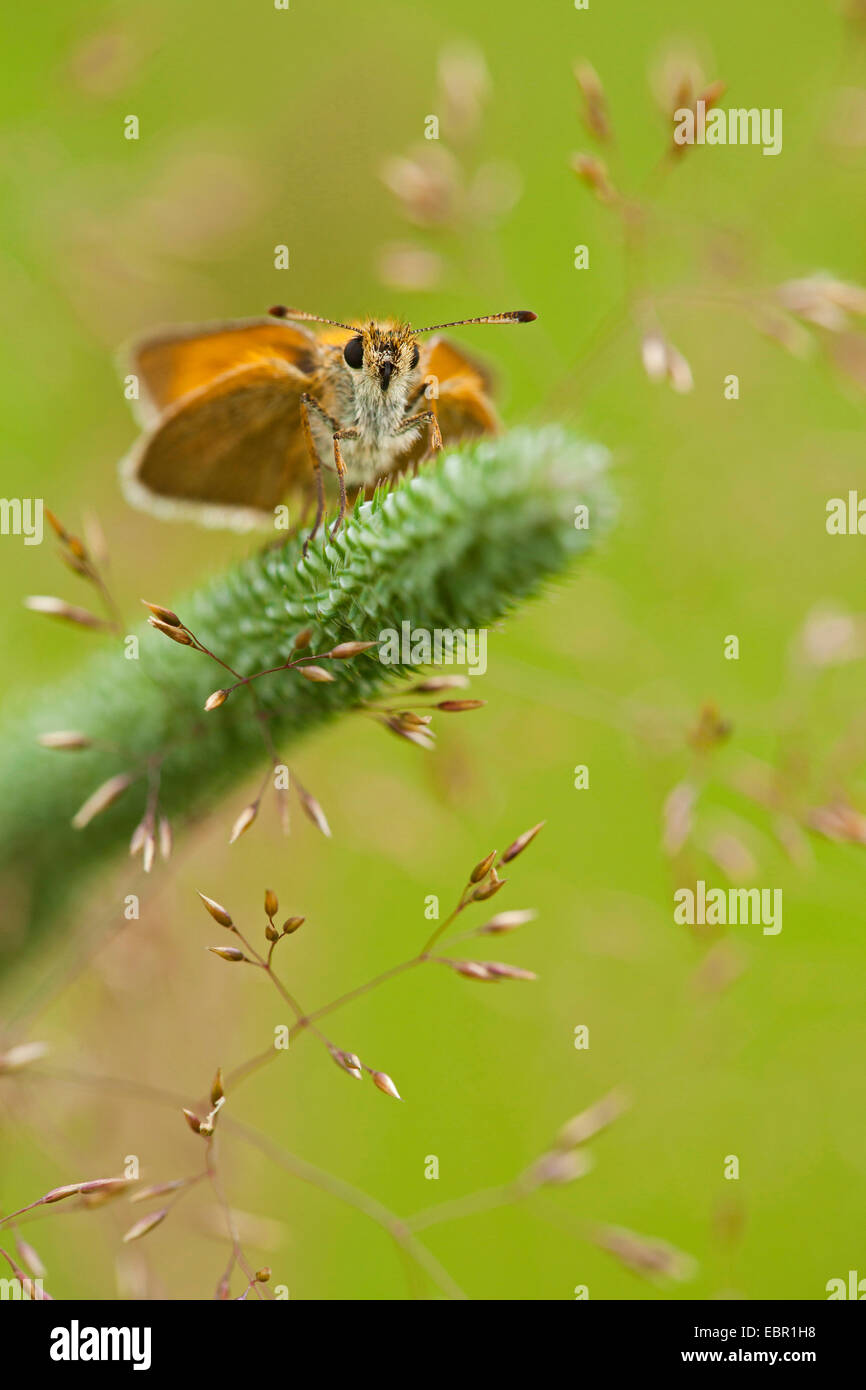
column 262, row 127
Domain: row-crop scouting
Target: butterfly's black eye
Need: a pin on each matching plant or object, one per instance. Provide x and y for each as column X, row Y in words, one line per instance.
column 354, row 352
column 415, row 355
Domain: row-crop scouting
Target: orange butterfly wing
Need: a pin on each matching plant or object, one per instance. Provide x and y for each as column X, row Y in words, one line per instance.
column 225, row 454
column 173, row 363
column 463, row 407
column 445, row 360
column 463, row 411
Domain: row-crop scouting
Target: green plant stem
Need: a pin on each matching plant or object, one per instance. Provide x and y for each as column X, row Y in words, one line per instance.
column 457, row 547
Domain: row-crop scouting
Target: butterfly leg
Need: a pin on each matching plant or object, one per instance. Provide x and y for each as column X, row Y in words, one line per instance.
column 308, row 403
column 413, row 401
column 425, row 417
column 350, row 432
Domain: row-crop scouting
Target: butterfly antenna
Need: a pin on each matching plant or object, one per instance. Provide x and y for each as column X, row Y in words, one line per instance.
column 279, row 311
column 511, row 316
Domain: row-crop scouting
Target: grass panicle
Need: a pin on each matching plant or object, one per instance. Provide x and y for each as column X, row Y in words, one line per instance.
column 458, row 546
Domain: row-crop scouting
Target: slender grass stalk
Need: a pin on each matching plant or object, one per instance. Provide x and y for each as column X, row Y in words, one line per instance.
column 477, row 531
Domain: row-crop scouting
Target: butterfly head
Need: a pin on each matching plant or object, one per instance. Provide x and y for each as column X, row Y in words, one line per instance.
column 384, row 355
